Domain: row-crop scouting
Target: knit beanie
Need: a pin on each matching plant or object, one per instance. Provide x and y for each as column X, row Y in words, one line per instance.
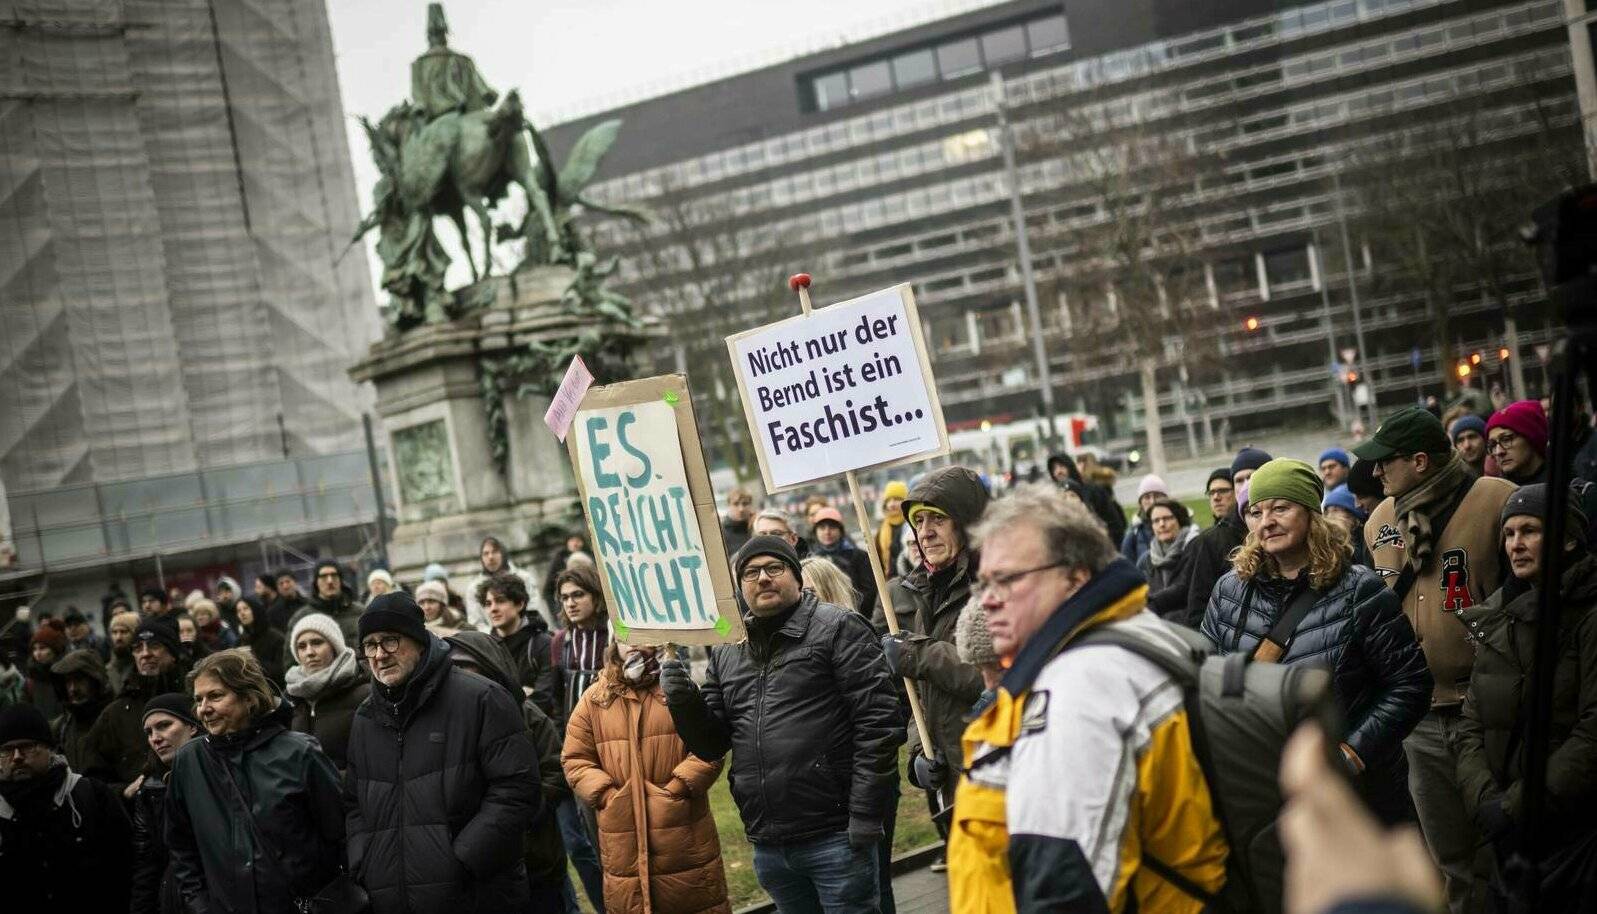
column 1342, row 497
column 1467, row 424
column 395, row 612
column 774, row 546
column 1242, row 496
column 1532, row 500
column 380, row 574
column 1290, row 479
column 52, row 634
column 1222, row 473
column 972, row 641
column 322, row 624
column 435, row 572
column 24, row 722
column 160, row 630
column 1337, row 454
column 433, row 590
column 1249, row 458
column 895, row 488
column 1526, row 419
column 1151, row 483
column 176, row 704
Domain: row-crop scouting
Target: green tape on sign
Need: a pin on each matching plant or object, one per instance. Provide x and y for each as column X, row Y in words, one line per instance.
column 621, row 629
column 722, row 626
column 671, row 397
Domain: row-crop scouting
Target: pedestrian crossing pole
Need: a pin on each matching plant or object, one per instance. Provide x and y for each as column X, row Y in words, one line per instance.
column 800, row 283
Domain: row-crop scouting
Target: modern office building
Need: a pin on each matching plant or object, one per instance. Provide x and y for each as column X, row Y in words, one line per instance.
column 178, row 298
column 879, row 162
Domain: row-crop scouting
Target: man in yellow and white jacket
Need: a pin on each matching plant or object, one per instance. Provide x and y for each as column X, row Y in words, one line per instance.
column 1081, row 791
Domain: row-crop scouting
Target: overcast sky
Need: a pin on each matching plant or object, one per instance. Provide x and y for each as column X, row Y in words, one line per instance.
column 577, row 56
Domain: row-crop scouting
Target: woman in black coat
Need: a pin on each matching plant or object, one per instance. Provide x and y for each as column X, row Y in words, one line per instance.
column 1354, row 626
column 1165, row 563
column 327, row 685
column 168, row 725
column 258, row 636
column 255, row 821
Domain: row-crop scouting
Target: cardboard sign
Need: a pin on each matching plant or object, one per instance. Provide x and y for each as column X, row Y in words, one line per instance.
column 651, row 514
column 845, row 388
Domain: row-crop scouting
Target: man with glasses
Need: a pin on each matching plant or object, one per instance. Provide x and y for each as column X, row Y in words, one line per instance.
column 1436, row 541
column 115, row 748
column 808, row 710
column 439, row 760
column 65, row 840
column 1081, row 774
column 333, row 598
column 1211, row 551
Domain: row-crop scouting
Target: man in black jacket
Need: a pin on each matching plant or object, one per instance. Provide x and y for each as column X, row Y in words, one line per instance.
column 1098, row 498
column 442, row 780
column 64, row 838
column 523, row 634
column 1211, row 551
column 115, row 748
column 334, row 598
column 808, row 710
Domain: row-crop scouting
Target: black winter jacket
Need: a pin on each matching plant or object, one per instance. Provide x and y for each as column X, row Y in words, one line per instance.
column 1099, row 498
column 328, row 715
column 272, row 777
column 63, row 844
column 1208, row 559
column 115, row 749
column 807, row 709
column 1496, row 703
column 1357, row 630
column 155, row 889
column 441, row 784
column 529, row 649
column 343, row 609
column 71, row 727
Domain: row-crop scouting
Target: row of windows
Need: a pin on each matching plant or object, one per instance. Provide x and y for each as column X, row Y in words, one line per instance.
column 949, row 60
column 960, row 106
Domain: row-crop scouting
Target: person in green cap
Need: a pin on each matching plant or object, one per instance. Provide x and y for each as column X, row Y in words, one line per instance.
column 1294, row 595
column 1436, row 541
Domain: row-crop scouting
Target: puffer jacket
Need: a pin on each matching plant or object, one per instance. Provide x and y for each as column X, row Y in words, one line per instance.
column 441, row 784
column 1504, row 633
column 1357, row 630
column 326, row 713
column 807, row 708
column 949, row 687
column 343, row 609
column 155, row 889
column 72, row 726
column 230, row 793
column 657, row 838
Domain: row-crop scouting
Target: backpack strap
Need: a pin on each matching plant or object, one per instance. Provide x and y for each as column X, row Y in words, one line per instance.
column 557, row 644
column 1271, row 649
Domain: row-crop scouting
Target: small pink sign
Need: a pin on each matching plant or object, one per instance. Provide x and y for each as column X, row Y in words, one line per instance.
column 566, row 400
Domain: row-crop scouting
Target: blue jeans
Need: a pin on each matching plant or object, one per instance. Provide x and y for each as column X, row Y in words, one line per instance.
column 583, row 855
column 823, row 876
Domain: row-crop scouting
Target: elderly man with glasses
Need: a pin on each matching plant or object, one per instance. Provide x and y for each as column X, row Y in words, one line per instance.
column 1436, row 541
column 809, row 712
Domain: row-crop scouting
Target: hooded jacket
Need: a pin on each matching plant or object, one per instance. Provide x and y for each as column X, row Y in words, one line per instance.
column 324, row 706
column 253, row 818
column 343, row 609
column 63, row 844
column 657, row 838
column 1378, row 673
column 1098, row 498
column 442, row 783
column 933, row 601
column 528, row 647
column 545, row 852
column 808, row 710
column 71, row 727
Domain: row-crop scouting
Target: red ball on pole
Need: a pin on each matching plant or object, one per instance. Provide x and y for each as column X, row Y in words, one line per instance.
column 798, row 281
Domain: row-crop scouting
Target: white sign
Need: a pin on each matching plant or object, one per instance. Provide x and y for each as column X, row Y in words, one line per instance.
column 563, row 405
column 646, row 535
column 847, row 387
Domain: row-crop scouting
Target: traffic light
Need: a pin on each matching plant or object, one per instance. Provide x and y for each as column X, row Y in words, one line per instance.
column 1251, row 324
column 1352, row 377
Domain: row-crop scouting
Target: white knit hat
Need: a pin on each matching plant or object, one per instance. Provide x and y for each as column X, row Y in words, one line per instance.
column 321, row 624
column 380, row 574
column 432, row 590
column 972, row 641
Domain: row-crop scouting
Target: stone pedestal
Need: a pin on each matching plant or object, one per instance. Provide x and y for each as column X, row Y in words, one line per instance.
column 431, row 404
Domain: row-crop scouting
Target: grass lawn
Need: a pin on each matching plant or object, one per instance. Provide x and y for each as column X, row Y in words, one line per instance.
column 914, row 830
column 1197, row 506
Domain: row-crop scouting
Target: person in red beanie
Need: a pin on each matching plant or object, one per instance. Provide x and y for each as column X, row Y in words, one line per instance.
column 48, row 645
column 1516, row 436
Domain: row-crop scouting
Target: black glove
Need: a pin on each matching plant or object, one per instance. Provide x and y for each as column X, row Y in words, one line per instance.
column 893, row 648
column 1493, row 821
column 864, row 833
column 677, row 683
column 927, row 773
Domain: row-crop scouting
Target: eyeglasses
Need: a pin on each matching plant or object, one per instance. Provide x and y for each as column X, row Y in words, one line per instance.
column 328, row 575
column 1000, row 584
column 22, row 749
column 1384, row 461
column 1221, row 490
column 387, row 644
column 572, row 596
column 752, row 573
column 1501, row 443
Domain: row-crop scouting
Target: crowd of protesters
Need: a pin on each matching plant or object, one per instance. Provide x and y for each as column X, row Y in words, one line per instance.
column 425, row 748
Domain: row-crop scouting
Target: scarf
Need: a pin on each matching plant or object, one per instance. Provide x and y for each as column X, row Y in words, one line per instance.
column 340, row 675
column 1415, row 508
column 886, row 534
column 1160, row 555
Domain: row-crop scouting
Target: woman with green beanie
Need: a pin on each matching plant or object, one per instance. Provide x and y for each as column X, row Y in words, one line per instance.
column 1294, row 596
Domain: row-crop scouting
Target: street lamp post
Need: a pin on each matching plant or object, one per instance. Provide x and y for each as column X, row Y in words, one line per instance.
column 1353, row 296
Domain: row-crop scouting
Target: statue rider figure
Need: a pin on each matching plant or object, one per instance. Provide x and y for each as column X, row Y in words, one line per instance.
column 444, row 80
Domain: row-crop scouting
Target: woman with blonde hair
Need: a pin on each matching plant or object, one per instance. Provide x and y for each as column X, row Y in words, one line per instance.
column 1294, row 596
column 657, row 839
column 829, row 582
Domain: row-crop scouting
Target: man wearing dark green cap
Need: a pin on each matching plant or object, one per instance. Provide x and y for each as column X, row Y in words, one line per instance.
column 1437, row 543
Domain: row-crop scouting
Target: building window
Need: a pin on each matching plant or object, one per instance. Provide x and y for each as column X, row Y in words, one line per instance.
column 1047, row 34
column 958, row 58
column 914, row 69
column 1287, row 269
column 1004, row 45
column 831, row 91
column 871, row 79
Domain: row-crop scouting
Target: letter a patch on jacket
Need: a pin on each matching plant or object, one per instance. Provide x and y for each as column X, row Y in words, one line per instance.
column 1455, row 581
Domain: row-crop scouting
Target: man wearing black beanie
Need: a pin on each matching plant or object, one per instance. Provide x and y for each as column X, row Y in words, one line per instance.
column 1211, row 551
column 115, row 748
column 831, row 700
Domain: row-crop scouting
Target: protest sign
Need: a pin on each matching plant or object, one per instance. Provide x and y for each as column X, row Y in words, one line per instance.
column 842, row 388
column 651, row 514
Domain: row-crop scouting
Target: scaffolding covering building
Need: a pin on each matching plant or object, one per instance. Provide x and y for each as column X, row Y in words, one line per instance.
column 178, row 294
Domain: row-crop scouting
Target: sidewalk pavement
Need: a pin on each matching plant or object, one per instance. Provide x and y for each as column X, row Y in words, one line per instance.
column 921, row 892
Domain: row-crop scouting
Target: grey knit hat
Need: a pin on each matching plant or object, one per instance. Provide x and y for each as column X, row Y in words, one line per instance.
column 971, row 639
